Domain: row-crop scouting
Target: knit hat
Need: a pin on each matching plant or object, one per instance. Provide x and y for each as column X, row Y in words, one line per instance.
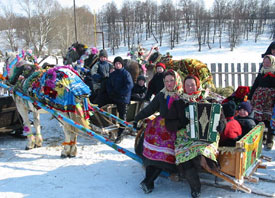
column 229, row 109
column 141, row 77
column 118, row 59
column 103, row 52
column 161, row 65
column 246, row 106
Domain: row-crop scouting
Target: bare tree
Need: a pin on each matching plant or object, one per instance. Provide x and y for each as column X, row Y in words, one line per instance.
column 220, row 10
column 9, row 28
column 234, row 24
column 199, row 13
column 39, row 22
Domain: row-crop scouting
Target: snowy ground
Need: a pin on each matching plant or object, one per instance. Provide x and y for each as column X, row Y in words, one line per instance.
column 97, row 171
column 100, row 171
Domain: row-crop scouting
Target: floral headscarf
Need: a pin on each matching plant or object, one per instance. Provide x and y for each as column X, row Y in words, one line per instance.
column 178, row 88
column 270, row 69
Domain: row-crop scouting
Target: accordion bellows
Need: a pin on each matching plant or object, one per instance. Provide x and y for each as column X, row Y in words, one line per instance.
column 204, row 119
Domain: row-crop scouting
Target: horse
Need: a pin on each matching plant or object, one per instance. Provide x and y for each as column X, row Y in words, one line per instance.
column 89, row 56
column 59, row 88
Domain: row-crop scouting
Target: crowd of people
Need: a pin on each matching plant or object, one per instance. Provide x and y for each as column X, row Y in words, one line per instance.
column 165, row 144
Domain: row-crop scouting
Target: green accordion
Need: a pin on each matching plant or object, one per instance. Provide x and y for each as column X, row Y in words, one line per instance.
column 204, row 119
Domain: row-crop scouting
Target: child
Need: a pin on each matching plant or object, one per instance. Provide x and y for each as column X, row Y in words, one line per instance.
column 156, row 84
column 262, row 96
column 245, row 117
column 233, row 129
column 139, row 90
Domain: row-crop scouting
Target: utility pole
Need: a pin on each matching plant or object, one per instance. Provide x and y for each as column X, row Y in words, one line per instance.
column 75, row 29
column 95, row 28
column 102, row 38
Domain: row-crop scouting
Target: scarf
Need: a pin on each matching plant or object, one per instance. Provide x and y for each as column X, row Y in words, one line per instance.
column 270, row 70
column 177, row 90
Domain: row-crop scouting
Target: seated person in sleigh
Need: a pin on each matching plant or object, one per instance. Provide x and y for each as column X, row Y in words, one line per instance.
column 167, row 144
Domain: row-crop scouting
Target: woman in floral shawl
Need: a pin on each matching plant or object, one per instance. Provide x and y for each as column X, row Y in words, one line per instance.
column 157, row 150
column 191, row 155
column 262, row 96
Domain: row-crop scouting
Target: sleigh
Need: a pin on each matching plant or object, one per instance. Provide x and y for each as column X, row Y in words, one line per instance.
column 10, row 120
column 105, row 120
column 237, row 164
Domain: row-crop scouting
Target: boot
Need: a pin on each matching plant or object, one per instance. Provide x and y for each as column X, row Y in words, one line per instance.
column 120, row 136
column 269, row 138
column 191, row 175
column 147, row 185
column 269, row 141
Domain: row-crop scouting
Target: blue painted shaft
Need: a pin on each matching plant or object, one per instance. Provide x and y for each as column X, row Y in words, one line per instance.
column 80, row 127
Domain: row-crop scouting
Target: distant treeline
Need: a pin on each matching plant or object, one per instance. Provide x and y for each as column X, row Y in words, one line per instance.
column 45, row 26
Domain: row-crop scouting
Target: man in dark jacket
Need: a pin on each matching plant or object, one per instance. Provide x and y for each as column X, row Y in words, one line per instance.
column 156, row 84
column 119, row 86
column 100, row 72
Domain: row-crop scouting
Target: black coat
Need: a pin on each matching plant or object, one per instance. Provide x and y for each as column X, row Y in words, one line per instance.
column 155, row 85
column 268, row 50
column 138, row 92
column 247, row 123
column 158, row 104
column 176, row 119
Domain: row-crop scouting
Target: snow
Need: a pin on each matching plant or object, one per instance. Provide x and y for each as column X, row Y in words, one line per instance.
column 100, row 171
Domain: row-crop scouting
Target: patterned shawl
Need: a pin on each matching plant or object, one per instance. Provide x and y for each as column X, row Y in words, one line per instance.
column 178, row 88
column 270, row 69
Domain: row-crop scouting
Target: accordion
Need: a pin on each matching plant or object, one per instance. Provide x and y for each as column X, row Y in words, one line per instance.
column 204, row 119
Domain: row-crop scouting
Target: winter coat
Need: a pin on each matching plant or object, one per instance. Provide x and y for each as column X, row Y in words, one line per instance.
column 158, row 104
column 261, row 81
column 138, row 92
column 155, row 85
column 119, row 86
column 231, row 133
column 99, row 72
column 247, row 123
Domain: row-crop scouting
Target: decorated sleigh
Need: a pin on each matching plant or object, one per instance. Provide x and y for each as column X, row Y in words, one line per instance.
column 237, row 164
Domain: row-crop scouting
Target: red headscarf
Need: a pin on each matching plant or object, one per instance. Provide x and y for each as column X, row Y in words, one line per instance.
column 198, row 84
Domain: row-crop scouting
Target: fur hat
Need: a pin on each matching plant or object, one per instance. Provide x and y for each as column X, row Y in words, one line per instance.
column 118, row 59
column 103, row 52
column 229, row 109
column 141, row 77
column 246, row 106
column 161, row 65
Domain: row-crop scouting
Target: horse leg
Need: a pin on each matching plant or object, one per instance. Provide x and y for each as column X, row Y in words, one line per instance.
column 23, row 111
column 70, row 149
column 38, row 136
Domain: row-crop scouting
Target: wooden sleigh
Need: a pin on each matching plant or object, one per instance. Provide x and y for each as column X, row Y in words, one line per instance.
column 239, row 163
column 107, row 125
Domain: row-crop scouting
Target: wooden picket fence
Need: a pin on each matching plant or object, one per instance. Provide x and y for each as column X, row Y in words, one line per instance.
column 234, row 74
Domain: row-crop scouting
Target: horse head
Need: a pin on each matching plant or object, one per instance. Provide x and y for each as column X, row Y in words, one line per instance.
column 75, row 51
column 81, row 52
column 17, row 64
